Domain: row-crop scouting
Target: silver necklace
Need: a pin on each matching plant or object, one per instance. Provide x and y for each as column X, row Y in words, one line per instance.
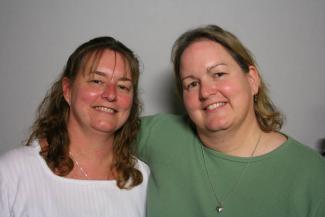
column 220, row 201
column 78, row 165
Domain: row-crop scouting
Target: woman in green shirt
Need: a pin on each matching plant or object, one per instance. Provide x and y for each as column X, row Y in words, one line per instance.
column 226, row 157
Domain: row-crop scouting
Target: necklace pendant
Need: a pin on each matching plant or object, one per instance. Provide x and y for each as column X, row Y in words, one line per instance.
column 219, row 209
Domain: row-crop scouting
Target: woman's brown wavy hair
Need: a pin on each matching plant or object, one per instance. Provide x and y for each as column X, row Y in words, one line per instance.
column 53, row 112
column 268, row 116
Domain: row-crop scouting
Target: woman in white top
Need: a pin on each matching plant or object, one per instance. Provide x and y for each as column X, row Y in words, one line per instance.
column 79, row 159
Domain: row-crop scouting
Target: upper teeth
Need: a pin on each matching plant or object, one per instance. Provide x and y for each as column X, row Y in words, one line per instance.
column 105, row 109
column 215, row 105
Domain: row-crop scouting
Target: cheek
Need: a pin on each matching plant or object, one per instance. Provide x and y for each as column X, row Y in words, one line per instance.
column 190, row 100
column 125, row 101
column 231, row 89
column 87, row 94
column 237, row 92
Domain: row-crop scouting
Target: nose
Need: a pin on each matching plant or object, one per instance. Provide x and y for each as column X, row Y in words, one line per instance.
column 206, row 89
column 109, row 92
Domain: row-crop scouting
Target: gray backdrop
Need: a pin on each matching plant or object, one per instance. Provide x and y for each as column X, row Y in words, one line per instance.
column 287, row 38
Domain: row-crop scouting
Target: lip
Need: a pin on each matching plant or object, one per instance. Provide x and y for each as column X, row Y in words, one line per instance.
column 106, row 109
column 214, row 106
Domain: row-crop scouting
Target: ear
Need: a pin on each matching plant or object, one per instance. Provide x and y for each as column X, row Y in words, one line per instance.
column 254, row 79
column 66, row 88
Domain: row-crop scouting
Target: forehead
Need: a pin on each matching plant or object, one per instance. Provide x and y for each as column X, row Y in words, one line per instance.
column 204, row 53
column 204, row 46
column 107, row 62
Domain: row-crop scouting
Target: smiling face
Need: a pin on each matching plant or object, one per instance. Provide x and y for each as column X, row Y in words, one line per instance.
column 100, row 100
column 217, row 94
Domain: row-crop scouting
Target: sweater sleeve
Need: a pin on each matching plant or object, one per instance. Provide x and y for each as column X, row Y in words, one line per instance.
column 142, row 139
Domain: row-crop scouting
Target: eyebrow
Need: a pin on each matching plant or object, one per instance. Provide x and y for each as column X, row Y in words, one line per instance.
column 125, row 79
column 208, row 70
column 104, row 75
column 99, row 73
column 187, row 77
column 215, row 65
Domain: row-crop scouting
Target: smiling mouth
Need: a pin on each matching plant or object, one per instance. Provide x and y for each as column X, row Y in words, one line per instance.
column 105, row 109
column 214, row 106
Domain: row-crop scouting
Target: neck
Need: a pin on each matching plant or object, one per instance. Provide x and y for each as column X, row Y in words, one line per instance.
column 93, row 158
column 89, row 142
column 238, row 142
column 94, row 153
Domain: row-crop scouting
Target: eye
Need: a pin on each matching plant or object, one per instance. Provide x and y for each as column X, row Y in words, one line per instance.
column 219, row 74
column 96, row 81
column 191, row 85
column 124, row 87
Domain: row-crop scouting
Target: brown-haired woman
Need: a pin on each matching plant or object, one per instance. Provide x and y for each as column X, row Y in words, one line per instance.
column 226, row 156
column 79, row 157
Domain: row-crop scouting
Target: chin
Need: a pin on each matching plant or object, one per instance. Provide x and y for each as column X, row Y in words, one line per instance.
column 107, row 128
column 217, row 126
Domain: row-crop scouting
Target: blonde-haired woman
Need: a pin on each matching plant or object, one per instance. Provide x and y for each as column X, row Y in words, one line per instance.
column 226, row 157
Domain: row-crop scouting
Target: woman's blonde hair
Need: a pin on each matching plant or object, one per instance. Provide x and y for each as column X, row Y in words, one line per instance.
column 268, row 116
